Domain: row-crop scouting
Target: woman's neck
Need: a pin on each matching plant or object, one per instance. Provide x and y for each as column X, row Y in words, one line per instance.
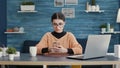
column 58, row 35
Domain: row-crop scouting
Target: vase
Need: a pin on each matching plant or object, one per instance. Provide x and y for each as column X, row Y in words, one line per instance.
column 21, row 29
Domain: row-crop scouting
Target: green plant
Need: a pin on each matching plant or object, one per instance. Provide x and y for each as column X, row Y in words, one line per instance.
column 103, row 26
column 27, row 3
column 11, row 50
column 93, row 2
column 0, row 49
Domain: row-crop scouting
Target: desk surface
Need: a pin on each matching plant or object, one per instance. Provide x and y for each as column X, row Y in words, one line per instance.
column 26, row 59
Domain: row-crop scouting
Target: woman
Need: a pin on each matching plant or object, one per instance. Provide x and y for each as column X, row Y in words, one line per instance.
column 58, row 41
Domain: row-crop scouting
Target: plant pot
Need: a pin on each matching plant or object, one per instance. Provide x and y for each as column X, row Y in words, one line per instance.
column 97, row 8
column 93, row 8
column 27, row 7
column 103, row 30
column 11, row 56
column 1, row 54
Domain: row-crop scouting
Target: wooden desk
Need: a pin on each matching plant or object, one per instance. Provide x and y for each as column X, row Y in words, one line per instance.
column 26, row 59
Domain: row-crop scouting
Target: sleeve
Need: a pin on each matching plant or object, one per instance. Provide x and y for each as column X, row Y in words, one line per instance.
column 42, row 45
column 74, row 45
column 70, row 51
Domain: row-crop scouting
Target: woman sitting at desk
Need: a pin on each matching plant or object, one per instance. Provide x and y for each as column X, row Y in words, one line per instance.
column 58, row 41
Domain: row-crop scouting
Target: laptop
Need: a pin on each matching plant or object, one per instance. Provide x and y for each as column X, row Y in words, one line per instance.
column 97, row 46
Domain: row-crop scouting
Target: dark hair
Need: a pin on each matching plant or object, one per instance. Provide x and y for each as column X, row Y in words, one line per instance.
column 58, row 15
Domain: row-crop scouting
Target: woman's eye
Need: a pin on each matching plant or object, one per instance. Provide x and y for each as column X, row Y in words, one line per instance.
column 60, row 24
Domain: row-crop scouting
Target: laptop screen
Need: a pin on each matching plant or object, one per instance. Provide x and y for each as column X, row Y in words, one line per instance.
column 97, row 45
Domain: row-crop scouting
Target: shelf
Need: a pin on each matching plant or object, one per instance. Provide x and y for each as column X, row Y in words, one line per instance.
column 14, row 32
column 94, row 11
column 115, row 32
column 27, row 11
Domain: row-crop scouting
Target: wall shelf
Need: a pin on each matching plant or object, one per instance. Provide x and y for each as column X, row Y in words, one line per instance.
column 100, row 11
column 14, row 32
column 27, row 11
column 115, row 32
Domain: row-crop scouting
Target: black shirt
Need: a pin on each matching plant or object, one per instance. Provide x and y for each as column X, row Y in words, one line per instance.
column 58, row 35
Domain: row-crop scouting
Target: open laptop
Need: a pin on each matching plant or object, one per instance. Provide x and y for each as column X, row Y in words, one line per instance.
column 97, row 46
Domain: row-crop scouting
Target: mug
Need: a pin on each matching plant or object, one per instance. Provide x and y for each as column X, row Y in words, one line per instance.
column 33, row 50
column 117, row 50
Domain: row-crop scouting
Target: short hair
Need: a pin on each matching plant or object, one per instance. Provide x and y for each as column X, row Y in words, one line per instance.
column 58, row 15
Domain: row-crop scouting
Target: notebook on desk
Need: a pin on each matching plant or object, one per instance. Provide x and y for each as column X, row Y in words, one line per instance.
column 97, row 46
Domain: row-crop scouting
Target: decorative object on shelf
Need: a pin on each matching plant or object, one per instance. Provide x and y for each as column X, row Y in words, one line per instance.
column 0, row 52
column 93, row 5
column 111, row 28
column 16, row 29
column 21, row 29
column 27, row 6
column 87, row 5
column 58, row 3
column 11, row 51
column 71, row 2
column 93, row 2
column 103, row 28
column 69, row 12
column 97, row 8
column 108, row 27
column 118, row 16
column 10, row 30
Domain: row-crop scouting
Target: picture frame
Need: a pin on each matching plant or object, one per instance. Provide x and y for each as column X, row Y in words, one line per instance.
column 69, row 12
column 71, row 2
column 58, row 3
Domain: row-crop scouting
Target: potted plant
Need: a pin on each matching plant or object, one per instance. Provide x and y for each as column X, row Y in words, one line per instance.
column 93, row 2
column 27, row 6
column 103, row 27
column 11, row 52
column 93, row 5
column 0, row 52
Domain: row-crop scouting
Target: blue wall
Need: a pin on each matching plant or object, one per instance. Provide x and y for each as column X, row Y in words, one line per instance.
column 3, row 37
column 36, row 24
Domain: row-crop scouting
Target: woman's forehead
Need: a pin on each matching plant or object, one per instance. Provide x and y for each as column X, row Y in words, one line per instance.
column 57, row 21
